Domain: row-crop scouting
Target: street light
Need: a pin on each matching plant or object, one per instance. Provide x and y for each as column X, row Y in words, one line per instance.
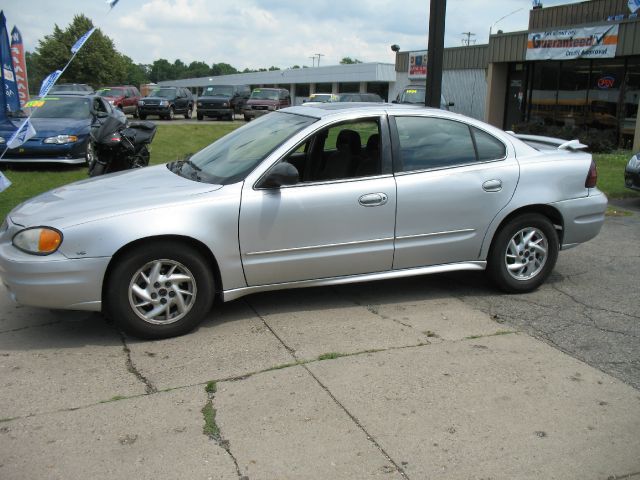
column 502, row 18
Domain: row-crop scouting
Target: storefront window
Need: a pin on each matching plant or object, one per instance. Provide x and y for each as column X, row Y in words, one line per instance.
column 607, row 78
column 544, row 92
column 630, row 102
column 573, row 85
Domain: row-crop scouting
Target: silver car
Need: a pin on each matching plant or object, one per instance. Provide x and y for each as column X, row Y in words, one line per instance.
column 305, row 196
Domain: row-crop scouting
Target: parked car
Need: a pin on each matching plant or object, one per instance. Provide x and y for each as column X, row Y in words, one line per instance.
column 166, row 102
column 358, row 97
column 265, row 100
column 125, row 98
column 222, row 101
column 62, row 125
column 415, row 95
column 71, row 88
column 320, row 98
column 306, row 196
column 632, row 172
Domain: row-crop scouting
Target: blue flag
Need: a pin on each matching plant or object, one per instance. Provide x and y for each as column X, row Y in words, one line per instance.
column 48, row 82
column 20, row 136
column 81, row 41
column 634, row 5
column 9, row 99
column 112, row 3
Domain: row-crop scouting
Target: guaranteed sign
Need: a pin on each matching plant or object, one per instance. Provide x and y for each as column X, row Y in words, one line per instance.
column 599, row 41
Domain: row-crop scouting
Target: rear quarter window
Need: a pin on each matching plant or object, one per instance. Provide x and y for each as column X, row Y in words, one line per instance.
column 488, row 147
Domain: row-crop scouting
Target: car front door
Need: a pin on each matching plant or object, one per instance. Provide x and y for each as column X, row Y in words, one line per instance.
column 338, row 220
column 453, row 179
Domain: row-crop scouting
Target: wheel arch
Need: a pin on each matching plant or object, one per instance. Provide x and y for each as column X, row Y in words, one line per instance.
column 175, row 240
column 552, row 213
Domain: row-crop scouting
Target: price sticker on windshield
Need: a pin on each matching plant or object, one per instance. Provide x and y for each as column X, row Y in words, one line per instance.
column 412, row 91
column 34, row 103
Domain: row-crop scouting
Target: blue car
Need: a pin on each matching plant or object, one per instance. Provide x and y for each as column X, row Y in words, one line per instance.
column 62, row 124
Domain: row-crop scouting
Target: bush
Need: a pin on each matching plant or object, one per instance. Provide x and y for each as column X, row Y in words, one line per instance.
column 599, row 141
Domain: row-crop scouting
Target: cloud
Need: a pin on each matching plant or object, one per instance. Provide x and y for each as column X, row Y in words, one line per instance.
column 261, row 33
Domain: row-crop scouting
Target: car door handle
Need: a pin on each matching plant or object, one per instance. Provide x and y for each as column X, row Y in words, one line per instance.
column 492, row 185
column 373, row 199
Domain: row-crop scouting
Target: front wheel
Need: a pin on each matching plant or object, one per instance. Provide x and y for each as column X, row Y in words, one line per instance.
column 523, row 253
column 172, row 114
column 136, row 113
column 97, row 169
column 200, row 116
column 90, row 156
column 189, row 113
column 159, row 291
column 143, row 116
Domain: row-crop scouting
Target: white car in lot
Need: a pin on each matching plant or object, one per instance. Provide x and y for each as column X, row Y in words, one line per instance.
column 304, row 196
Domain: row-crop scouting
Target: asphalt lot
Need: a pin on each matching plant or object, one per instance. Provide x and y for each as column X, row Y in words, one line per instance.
column 429, row 377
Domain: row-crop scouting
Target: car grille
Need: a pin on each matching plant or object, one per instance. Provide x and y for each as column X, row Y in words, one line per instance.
column 212, row 104
column 260, row 107
column 151, row 103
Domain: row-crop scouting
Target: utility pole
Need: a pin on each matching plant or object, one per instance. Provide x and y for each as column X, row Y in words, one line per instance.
column 467, row 42
column 435, row 53
column 313, row 59
column 319, row 55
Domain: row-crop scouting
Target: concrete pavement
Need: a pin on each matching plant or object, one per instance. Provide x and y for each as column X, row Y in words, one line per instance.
column 380, row 380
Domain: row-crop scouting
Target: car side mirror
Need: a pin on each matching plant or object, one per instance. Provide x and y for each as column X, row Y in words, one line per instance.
column 282, row 174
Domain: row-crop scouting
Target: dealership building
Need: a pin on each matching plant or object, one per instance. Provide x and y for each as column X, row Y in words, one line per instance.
column 577, row 65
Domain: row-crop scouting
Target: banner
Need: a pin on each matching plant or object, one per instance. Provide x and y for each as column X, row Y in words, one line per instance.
column 81, row 41
column 19, row 66
column 20, row 136
column 48, row 82
column 10, row 101
column 418, row 65
column 634, row 5
column 599, row 41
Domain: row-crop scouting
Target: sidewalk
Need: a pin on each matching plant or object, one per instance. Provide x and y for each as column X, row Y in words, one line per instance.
column 356, row 382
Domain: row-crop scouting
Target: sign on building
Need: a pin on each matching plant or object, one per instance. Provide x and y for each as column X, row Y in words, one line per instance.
column 418, row 65
column 590, row 42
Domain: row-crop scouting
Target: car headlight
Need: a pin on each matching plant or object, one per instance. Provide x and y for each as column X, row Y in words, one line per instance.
column 225, row 104
column 164, row 103
column 140, row 103
column 634, row 162
column 61, row 139
column 38, row 240
column 112, row 102
column 199, row 104
column 272, row 107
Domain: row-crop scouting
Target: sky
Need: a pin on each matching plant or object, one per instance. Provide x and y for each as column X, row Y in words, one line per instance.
column 262, row 33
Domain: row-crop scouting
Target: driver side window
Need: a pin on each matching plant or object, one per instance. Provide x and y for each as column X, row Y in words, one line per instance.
column 338, row 152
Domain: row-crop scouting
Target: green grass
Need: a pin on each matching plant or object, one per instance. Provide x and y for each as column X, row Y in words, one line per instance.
column 171, row 142
column 611, row 174
column 210, row 427
column 174, row 142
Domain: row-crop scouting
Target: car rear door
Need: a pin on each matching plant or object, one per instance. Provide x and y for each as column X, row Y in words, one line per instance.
column 452, row 180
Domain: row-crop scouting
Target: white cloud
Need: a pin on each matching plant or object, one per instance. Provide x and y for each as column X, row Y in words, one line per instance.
column 261, row 33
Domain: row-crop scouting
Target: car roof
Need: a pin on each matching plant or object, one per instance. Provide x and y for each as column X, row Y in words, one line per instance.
column 321, row 110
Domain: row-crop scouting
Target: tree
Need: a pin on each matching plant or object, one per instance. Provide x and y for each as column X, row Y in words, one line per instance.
column 136, row 74
column 222, row 69
column 161, row 70
column 98, row 63
column 349, row 61
column 198, row 69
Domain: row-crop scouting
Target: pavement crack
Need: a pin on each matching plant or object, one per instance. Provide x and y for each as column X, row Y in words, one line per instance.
column 303, row 364
column 592, row 307
column 18, row 329
column 131, row 367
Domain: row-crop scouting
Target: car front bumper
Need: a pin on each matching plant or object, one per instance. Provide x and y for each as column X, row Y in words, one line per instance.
column 632, row 179
column 215, row 112
column 153, row 110
column 51, row 281
column 38, row 152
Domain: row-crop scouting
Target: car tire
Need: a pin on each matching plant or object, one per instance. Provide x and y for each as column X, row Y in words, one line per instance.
column 189, row 113
column 523, row 253
column 141, row 283
column 142, row 116
column 231, row 116
column 200, row 116
column 136, row 113
column 172, row 114
column 247, row 119
column 90, row 153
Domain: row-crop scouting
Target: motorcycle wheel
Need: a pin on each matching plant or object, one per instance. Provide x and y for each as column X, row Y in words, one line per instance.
column 142, row 158
column 96, row 169
column 90, row 154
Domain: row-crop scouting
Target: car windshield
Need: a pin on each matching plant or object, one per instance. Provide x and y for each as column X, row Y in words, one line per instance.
column 413, row 95
column 231, row 158
column 110, row 92
column 163, row 92
column 264, row 94
column 218, row 90
column 62, row 107
column 70, row 88
column 324, row 98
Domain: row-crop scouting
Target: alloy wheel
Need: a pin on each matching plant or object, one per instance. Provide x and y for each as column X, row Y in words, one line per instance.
column 526, row 253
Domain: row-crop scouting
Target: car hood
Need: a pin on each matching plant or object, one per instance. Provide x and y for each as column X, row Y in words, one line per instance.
column 158, row 98
column 106, row 196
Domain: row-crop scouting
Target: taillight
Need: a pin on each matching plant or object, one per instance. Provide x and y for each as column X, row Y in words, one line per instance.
column 115, row 138
column 592, row 176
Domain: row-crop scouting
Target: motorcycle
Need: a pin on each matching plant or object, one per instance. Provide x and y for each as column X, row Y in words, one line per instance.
column 118, row 146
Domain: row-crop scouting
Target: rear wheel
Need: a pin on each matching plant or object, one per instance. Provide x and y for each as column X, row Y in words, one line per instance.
column 159, row 291
column 189, row 113
column 96, row 169
column 523, row 253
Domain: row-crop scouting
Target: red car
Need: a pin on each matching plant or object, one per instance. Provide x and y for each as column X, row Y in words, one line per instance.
column 125, row 98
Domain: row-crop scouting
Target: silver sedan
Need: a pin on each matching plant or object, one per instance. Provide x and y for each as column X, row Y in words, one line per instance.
column 305, row 196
